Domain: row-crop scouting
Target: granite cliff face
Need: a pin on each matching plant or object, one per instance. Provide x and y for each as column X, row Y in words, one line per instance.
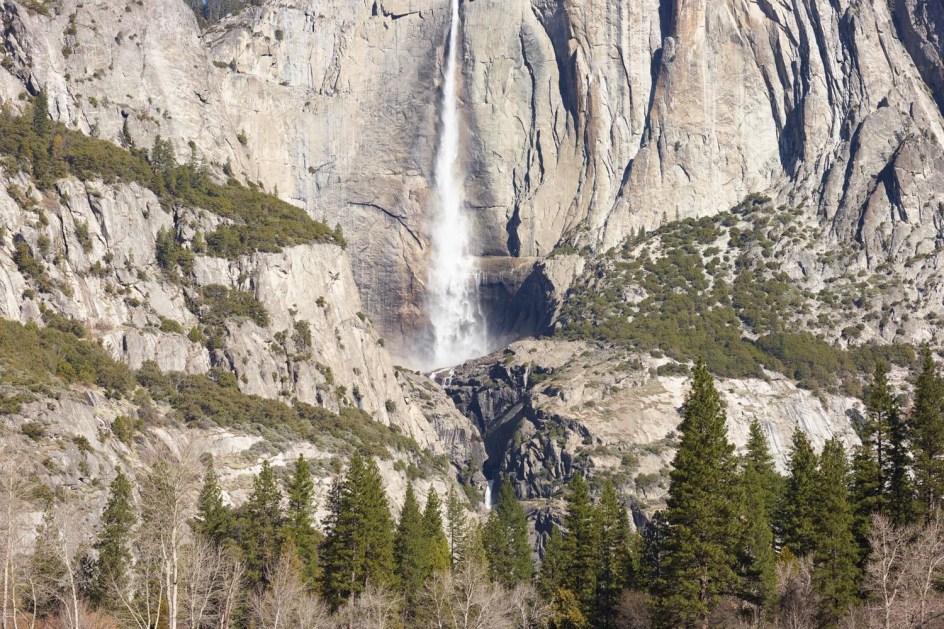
column 586, row 121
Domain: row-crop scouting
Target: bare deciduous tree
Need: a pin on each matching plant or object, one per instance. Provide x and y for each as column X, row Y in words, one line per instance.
column 142, row 597
column 286, row 603
column 14, row 501
column 466, row 599
column 887, row 575
column 231, row 591
column 374, row 608
column 168, row 500
column 925, row 562
column 68, row 541
column 207, row 573
column 529, row 611
column 902, row 576
column 795, row 588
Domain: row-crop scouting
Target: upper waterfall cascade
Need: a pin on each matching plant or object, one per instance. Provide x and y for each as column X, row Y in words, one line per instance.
column 455, row 313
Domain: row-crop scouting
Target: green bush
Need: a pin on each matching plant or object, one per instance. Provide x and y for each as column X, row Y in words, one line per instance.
column 220, row 303
column 33, row 430
column 124, row 429
column 171, row 326
column 37, row 357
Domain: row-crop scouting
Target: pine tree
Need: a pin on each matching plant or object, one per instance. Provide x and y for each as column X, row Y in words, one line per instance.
column 798, row 506
column 113, row 543
column 927, row 435
column 505, row 540
column 756, row 557
column 866, row 494
column 901, row 495
column 456, row 525
column 41, row 122
column 698, row 560
column 439, row 558
column 213, row 520
column 654, row 544
column 554, row 564
column 260, row 525
column 581, row 545
column 358, row 545
column 615, row 561
column 299, row 529
column 411, row 550
column 835, row 554
column 879, row 406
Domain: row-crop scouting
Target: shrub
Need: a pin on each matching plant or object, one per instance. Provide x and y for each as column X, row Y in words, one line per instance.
column 83, row 236
column 33, row 430
column 171, row 326
column 124, row 429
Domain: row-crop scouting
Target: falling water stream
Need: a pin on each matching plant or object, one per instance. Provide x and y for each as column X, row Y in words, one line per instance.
column 458, row 327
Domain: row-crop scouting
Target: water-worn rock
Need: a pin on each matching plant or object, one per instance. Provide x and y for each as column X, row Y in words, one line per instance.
column 550, row 408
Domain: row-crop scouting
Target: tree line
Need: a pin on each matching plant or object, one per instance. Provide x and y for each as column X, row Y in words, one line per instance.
column 169, row 552
column 843, row 539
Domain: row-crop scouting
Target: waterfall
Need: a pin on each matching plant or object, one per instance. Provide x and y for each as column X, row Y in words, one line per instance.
column 488, row 493
column 454, row 310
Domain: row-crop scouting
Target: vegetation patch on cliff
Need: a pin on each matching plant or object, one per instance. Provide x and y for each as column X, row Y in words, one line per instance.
column 257, row 221
column 713, row 288
column 40, row 361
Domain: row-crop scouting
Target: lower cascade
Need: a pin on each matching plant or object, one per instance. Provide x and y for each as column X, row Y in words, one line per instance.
column 455, row 313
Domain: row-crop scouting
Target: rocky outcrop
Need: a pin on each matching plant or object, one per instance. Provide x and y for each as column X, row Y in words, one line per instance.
column 549, row 408
column 93, row 247
column 921, row 30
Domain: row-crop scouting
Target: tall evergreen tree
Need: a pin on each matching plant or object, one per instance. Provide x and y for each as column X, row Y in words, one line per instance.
column 358, row 545
column 411, row 551
column 866, row 494
column 615, row 561
column 698, row 560
column 41, row 122
column 581, row 545
column 213, row 520
column 835, row 554
column 927, row 435
column 505, row 540
column 901, row 494
column 299, row 530
column 554, row 564
column 879, row 406
column 113, row 543
column 260, row 525
column 439, row 558
column 796, row 520
column 456, row 525
column 758, row 494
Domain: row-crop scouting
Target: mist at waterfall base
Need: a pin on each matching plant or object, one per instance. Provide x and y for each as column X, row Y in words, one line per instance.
column 457, row 323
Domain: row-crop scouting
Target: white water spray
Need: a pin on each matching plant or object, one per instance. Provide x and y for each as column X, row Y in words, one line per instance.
column 488, row 494
column 454, row 311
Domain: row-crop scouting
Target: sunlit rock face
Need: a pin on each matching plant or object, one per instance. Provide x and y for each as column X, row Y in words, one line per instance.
column 581, row 121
